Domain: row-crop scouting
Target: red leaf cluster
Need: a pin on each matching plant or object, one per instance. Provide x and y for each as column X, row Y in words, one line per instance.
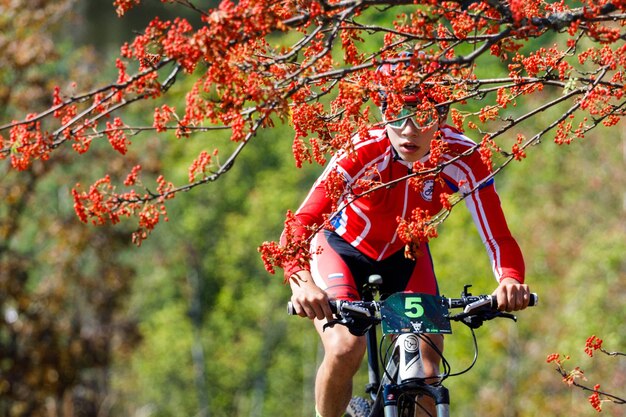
column 322, row 75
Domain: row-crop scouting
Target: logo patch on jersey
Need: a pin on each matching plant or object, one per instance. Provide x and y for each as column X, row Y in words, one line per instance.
column 428, row 188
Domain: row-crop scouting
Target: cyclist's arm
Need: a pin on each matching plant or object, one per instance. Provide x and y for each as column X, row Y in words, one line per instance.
column 483, row 202
column 313, row 212
column 307, row 298
column 469, row 175
column 308, row 217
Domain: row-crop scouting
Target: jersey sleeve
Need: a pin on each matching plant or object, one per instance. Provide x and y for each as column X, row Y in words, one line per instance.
column 311, row 214
column 471, row 177
column 505, row 254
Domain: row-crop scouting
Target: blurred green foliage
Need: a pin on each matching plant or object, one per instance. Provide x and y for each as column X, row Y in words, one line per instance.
column 215, row 339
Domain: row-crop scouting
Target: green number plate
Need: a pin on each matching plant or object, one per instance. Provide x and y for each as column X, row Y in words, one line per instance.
column 406, row 312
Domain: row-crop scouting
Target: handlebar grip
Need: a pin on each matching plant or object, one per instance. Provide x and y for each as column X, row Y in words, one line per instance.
column 291, row 310
column 534, row 300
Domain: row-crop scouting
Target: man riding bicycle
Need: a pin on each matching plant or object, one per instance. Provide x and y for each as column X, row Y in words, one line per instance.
column 363, row 240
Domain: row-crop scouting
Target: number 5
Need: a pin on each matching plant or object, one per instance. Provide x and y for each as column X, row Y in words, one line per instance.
column 413, row 307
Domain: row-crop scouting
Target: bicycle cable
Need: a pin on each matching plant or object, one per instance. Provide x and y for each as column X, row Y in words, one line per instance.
column 444, row 362
column 385, row 358
column 474, row 360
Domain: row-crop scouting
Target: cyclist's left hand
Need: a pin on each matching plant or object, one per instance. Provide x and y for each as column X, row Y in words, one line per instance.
column 512, row 295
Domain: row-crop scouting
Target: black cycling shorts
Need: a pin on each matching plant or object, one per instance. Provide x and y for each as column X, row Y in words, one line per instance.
column 342, row 270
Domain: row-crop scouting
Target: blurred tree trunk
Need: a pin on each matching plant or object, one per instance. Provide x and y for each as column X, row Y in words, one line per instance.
column 194, row 280
column 63, row 287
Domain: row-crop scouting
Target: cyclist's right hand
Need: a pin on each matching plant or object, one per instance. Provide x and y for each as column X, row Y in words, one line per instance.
column 307, row 298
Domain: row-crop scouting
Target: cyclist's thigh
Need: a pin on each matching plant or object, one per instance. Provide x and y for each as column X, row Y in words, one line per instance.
column 330, row 271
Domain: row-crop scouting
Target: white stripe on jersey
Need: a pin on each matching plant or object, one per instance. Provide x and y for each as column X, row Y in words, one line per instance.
column 366, row 229
column 459, row 170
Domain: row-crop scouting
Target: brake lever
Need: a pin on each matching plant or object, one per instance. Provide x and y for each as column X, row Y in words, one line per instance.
column 356, row 326
column 507, row 316
column 343, row 322
column 475, row 319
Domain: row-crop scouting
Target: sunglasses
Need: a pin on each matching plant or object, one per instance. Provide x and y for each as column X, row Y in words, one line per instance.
column 421, row 119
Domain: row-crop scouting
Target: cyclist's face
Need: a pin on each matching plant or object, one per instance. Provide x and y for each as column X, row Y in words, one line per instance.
column 411, row 141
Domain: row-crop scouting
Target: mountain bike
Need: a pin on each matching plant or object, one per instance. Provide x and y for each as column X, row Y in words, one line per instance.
column 405, row 318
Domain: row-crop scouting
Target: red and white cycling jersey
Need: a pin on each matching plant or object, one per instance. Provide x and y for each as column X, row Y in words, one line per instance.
column 369, row 223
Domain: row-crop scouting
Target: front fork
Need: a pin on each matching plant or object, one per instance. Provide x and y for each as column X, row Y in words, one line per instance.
column 439, row 393
column 411, row 377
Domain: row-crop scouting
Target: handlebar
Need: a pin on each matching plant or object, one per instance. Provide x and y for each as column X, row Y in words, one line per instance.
column 468, row 303
column 359, row 316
